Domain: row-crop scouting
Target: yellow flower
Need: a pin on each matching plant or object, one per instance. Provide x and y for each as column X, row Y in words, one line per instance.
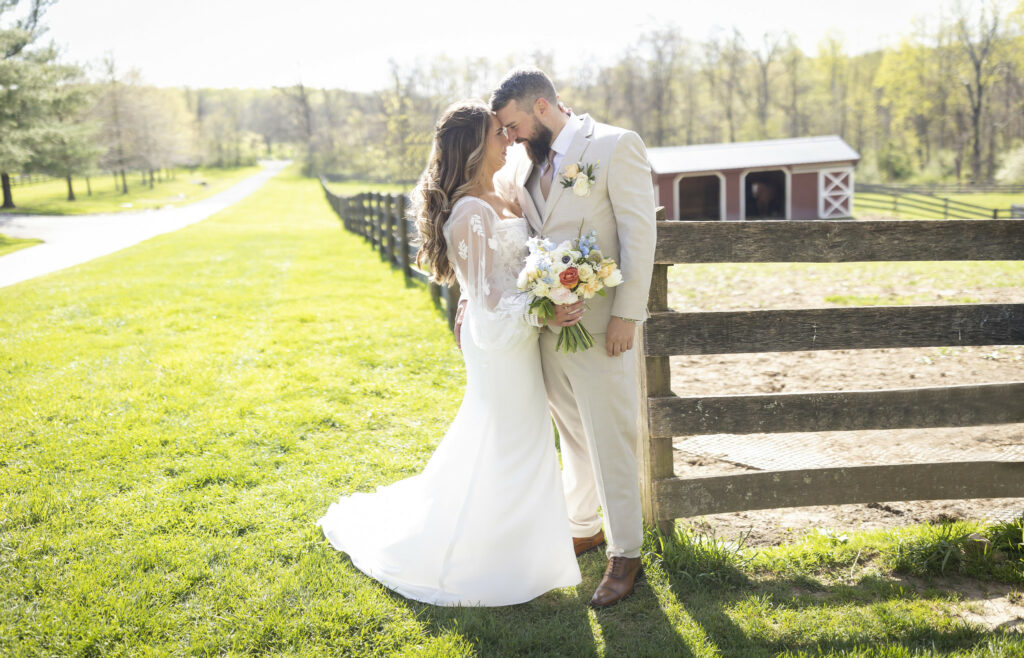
column 571, row 171
column 590, row 288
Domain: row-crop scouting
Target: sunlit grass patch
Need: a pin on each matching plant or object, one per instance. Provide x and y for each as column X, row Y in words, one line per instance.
column 183, row 186
column 9, row 244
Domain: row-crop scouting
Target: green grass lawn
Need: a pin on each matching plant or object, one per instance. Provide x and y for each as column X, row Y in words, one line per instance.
column 175, row 417
column 9, row 244
column 50, row 197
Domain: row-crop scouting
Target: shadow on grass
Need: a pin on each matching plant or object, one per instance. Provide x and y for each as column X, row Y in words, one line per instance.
column 801, row 615
column 561, row 623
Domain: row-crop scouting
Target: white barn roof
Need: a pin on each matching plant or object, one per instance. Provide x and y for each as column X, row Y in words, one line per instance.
column 747, row 155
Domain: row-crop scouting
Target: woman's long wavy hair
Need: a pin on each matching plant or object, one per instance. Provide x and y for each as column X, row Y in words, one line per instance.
column 455, row 161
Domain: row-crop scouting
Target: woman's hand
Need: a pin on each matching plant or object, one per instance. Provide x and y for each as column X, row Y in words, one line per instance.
column 566, row 315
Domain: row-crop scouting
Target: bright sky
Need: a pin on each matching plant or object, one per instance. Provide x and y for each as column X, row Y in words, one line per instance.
column 345, row 44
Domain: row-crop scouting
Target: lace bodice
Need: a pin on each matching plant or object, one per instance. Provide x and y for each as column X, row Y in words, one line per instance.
column 487, row 254
column 510, row 236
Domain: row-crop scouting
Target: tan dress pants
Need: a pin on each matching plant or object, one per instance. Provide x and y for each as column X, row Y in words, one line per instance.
column 594, row 400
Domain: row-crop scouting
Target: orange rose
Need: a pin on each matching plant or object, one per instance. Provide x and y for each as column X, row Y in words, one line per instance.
column 569, row 277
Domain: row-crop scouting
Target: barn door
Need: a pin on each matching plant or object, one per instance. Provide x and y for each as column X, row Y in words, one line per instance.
column 835, row 193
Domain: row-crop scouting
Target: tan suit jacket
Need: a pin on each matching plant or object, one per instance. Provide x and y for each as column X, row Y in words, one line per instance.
column 620, row 207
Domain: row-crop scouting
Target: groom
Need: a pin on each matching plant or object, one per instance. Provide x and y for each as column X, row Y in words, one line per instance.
column 593, row 394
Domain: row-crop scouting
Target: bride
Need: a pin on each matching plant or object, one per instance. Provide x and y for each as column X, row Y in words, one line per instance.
column 485, row 523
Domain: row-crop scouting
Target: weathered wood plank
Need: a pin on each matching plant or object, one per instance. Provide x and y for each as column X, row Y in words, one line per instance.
column 828, row 241
column 947, row 406
column 729, row 332
column 677, row 498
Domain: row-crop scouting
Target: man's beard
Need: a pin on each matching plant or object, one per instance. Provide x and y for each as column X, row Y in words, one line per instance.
column 538, row 145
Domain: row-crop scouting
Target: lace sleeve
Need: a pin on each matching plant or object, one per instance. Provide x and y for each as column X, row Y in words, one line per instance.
column 499, row 315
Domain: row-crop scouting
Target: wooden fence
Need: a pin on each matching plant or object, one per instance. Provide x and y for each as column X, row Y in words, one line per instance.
column 950, row 188
column 381, row 220
column 668, row 333
column 918, row 201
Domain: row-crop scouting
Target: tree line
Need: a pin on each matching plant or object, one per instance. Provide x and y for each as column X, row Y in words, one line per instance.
column 59, row 121
column 946, row 103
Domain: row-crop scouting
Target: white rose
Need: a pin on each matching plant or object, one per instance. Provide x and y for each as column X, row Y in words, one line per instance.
column 541, row 289
column 562, row 296
column 586, row 272
column 581, row 186
column 523, row 280
column 613, row 279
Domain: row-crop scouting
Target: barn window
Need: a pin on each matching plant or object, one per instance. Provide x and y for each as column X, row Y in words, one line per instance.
column 700, row 198
column 765, row 193
column 835, row 193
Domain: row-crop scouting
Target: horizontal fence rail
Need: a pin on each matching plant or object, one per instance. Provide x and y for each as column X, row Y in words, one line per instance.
column 871, row 327
column 381, row 220
column 668, row 333
column 946, row 406
column 838, row 242
column 838, row 486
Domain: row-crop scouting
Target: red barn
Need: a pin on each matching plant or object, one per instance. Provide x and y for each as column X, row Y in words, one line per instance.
column 802, row 178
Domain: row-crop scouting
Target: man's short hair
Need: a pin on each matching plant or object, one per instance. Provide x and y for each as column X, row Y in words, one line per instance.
column 523, row 85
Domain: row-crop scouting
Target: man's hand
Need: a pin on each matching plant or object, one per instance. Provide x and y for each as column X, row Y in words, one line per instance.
column 566, row 315
column 619, row 337
column 459, row 312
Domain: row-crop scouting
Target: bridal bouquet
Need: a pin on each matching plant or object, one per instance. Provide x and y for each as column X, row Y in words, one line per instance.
column 564, row 274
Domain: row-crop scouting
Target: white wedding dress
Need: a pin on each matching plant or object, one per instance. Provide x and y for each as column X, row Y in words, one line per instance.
column 485, row 523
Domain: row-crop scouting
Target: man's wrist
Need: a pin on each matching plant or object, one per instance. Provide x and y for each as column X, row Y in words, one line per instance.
column 629, row 320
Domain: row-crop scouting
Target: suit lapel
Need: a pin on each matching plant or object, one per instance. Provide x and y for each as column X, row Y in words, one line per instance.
column 579, row 145
column 525, row 198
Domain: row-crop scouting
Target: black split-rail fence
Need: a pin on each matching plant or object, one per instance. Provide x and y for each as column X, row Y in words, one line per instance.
column 380, row 219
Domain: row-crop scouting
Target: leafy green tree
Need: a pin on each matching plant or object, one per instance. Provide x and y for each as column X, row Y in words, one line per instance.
column 66, row 146
column 25, row 79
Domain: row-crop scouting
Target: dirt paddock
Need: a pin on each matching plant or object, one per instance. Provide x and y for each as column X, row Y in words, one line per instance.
column 732, row 288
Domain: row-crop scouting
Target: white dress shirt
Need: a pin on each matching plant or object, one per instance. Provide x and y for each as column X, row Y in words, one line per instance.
column 561, row 145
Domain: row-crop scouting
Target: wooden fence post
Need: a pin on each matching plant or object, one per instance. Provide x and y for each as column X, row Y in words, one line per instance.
column 382, row 223
column 403, row 240
column 655, row 378
column 372, row 217
column 368, row 217
column 389, row 224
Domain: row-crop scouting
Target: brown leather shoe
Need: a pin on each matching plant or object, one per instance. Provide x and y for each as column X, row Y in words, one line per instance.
column 584, row 544
column 618, row 581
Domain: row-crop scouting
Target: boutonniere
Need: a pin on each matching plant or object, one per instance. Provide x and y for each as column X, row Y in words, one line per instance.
column 579, row 177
